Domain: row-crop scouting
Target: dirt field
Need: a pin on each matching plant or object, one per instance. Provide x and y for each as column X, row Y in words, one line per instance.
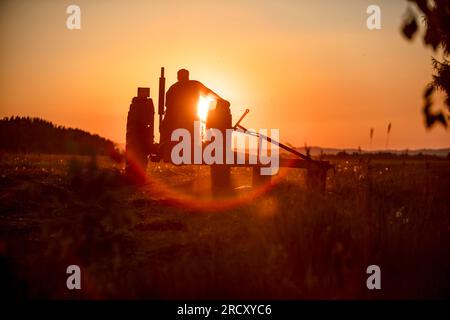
column 169, row 240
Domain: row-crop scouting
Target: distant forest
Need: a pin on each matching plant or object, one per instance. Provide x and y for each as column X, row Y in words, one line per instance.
column 35, row 135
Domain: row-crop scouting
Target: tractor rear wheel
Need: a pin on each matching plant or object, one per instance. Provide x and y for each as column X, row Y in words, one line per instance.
column 139, row 140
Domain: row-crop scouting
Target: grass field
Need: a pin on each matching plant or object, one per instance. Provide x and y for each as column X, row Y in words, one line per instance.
column 162, row 241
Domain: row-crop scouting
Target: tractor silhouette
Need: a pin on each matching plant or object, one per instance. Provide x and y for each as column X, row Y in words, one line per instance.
column 142, row 148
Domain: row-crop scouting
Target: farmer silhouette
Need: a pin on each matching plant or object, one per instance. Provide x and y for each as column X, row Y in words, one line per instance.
column 181, row 106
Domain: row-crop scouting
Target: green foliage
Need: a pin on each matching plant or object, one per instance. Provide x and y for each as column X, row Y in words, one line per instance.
column 436, row 16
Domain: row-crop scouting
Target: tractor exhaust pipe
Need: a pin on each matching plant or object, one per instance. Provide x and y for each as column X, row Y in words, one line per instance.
column 161, row 97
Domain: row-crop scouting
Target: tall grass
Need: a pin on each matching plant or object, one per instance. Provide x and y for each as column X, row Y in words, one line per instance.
column 288, row 243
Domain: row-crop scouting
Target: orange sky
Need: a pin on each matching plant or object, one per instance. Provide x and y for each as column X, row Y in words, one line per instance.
column 310, row 68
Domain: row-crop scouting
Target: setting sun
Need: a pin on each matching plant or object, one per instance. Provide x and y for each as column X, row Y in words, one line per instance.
column 204, row 104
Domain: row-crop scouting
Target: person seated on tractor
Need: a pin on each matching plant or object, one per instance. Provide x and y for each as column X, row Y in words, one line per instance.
column 181, row 108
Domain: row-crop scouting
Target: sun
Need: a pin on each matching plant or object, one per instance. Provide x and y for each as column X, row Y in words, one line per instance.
column 204, row 104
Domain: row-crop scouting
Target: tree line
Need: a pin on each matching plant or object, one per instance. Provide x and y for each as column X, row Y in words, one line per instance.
column 35, row 135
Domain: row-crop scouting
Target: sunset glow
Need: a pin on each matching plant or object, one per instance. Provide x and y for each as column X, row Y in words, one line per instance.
column 309, row 68
column 203, row 151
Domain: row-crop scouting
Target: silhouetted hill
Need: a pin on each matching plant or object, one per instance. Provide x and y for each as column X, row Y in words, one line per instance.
column 35, row 135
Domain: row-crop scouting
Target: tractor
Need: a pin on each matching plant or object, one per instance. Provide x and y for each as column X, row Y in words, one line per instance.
column 141, row 146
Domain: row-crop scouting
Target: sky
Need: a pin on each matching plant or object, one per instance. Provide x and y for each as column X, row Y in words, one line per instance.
column 311, row 69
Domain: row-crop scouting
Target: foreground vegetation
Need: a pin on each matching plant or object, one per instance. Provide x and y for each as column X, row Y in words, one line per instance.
column 278, row 242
